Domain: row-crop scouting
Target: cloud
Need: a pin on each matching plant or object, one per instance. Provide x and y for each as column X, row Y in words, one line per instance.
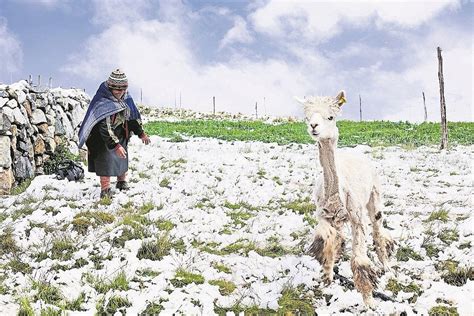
column 109, row 12
column 11, row 54
column 237, row 34
column 321, row 21
column 159, row 56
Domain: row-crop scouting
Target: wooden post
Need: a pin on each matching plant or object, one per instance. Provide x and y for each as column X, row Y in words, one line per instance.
column 424, row 105
column 30, row 80
column 141, row 96
column 360, row 108
column 50, row 83
column 214, row 105
column 256, row 110
column 444, row 125
column 39, row 80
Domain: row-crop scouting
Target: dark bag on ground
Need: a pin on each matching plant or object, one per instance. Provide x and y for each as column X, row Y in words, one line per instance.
column 70, row 170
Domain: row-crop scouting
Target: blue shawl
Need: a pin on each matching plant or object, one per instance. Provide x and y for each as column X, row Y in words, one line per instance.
column 104, row 104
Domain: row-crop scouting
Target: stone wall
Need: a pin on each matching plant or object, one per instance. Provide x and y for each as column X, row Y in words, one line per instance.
column 32, row 123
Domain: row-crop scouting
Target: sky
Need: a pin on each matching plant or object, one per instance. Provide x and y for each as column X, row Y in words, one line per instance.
column 182, row 53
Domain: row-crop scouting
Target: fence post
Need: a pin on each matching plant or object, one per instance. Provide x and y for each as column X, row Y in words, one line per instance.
column 424, row 106
column 360, row 108
column 442, row 101
column 214, row 105
column 256, row 110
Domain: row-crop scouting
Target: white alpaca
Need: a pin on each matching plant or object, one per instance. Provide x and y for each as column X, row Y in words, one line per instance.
column 347, row 191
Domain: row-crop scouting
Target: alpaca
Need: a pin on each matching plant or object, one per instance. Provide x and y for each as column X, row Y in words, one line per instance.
column 349, row 187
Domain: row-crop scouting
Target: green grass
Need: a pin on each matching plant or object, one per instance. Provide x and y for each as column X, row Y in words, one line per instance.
column 183, row 278
column 374, row 133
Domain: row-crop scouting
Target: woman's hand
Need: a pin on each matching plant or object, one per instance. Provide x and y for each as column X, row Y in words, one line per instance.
column 145, row 139
column 120, row 151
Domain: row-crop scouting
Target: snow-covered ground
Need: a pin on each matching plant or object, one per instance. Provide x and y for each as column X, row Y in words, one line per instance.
column 251, row 196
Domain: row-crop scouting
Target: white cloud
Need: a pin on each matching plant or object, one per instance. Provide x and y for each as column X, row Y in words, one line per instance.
column 11, row 54
column 322, row 20
column 239, row 33
column 109, row 12
column 159, row 59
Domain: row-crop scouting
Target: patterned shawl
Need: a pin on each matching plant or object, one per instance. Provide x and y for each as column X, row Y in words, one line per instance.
column 104, row 104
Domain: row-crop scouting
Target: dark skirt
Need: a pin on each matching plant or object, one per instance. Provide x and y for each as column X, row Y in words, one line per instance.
column 105, row 162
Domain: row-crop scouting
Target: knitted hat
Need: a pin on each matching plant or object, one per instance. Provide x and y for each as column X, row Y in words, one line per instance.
column 117, row 80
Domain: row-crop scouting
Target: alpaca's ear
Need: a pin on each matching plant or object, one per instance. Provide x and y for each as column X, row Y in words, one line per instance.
column 302, row 101
column 341, row 98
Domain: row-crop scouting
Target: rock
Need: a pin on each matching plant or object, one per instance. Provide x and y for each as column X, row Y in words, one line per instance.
column 5, row 157
column 18, row 117
column 27, row 107
column 3, row 101
column 12, row 103
column 22, row 168
column 43, row 128
column 39, row 145
column 50, row 144
column 6, row 181
column 9, row 113
column 51, row 131
column 50, row 119
column 38, row 160
column 5, row 123
column 77, row 115
column 38, row 117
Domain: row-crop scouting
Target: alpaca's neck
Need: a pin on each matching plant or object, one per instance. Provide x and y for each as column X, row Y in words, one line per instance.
column 333, row 208
column 327, row 148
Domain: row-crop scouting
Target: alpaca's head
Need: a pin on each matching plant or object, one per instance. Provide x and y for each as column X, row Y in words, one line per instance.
column 320, row 114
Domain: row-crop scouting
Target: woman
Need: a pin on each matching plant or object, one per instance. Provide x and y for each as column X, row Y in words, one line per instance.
column 111, row 118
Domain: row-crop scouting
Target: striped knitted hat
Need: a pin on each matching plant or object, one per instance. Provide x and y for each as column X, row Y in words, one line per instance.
column 117, row 80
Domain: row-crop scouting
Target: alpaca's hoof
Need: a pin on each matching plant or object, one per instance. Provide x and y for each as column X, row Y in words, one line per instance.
column 327, row 280
column 369, row 302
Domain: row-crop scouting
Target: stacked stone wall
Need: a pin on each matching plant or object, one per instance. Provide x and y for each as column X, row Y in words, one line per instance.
column 33, row 122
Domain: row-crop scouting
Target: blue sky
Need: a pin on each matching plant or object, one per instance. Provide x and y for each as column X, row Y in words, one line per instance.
column 243, row 52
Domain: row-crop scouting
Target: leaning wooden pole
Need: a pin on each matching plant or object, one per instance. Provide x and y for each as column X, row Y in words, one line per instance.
column 424, row 106
column 444, row 125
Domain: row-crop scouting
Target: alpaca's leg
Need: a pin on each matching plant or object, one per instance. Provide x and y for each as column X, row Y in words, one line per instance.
column 365, row 277
column 384, row 244
column 324, row 247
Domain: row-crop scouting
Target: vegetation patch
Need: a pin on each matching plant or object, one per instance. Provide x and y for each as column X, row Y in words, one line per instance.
column 103, row 285
column 448, row 235
column 7, row 243
column 183, row 278
column 221, row 267
column 351, row 133
column 225, row 287
column 47, row 293
column 442, row 310
column 157, row 249
column 84, row 220
column 152, row 309
column 395, row 287
column 303, row 207
column 63, row 249
column 406, row 253
column 115, row 304
column 20, row 188
column 294, row 301
column 440, row 215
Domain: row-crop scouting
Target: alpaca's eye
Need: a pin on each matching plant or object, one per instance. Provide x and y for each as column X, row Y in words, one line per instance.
column 331, row 118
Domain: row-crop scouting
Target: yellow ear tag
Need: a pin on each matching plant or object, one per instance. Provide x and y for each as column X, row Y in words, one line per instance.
column 341, row 101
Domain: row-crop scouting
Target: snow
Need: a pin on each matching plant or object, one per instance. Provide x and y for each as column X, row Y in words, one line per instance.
column 204, row 175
